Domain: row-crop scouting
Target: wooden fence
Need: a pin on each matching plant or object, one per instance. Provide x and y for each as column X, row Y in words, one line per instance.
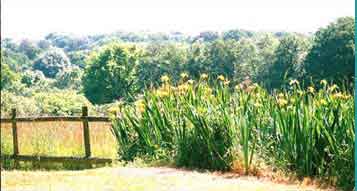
column 85, row 119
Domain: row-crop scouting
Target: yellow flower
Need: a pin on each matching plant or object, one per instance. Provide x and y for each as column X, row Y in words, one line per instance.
column 162, row 93
column 190, row 81
column 207, row 91
column 347, row 97
column 322, row 102
column 257, row 104
column 165, row 78
column 237, row 87
column 201, row 110
column 300, row 92
column 112, row 111
column 280, row 95
column 184, row 75
column 293, row 82
column 182, row 88
column 332, row 88
column 204, row 76
column 220, row 77
column 140, row 105
column 282, row 102
column 338, row 95
column 310, row 89
column 226, row 82
column 323, row 82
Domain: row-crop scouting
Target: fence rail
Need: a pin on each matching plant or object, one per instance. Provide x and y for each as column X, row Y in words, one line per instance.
column 85, row 119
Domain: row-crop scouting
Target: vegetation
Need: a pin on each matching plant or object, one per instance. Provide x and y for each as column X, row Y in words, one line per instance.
column 196, row 125
column 111, row 74
column 177, row 98
column 333, row 53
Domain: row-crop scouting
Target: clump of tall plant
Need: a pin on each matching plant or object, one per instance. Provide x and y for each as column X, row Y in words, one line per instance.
column 194, row 124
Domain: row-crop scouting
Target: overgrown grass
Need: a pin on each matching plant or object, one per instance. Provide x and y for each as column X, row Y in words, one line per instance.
column 57, row 139
column 197, row 125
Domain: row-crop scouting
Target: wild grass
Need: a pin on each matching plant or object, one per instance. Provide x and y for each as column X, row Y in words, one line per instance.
column 302, row 130
column 57, row 139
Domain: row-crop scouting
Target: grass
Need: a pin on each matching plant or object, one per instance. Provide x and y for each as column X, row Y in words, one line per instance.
column 58, row 139
column 132, row 179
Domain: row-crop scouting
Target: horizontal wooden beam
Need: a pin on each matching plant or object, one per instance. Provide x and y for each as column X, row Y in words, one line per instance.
column 60, row 118
column 91, row 160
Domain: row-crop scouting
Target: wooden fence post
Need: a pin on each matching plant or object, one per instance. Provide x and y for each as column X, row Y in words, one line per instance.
column 86, row 132
column 14, row 136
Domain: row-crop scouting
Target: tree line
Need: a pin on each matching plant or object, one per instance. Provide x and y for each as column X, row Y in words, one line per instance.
column 118, row 66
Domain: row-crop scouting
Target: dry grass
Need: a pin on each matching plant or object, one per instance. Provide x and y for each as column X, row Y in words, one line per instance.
column 59, row 139
column 128, row 179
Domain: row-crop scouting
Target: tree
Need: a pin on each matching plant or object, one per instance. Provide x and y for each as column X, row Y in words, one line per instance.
column 237, row 34
column 266, row 45
column 197, row 62
column 207, row 36
column 34, row 79
column 222, row 58
column 78, row 58
column 17, row 61
column 289, row 58
column 69, row 79
column 52, row 62
column 8, row 77
column 111, row 74
column 332, row 56
column 160, row 59
column 247, row 60
column 29, row 49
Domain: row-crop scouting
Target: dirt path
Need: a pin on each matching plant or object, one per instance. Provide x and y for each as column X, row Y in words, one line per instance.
column 130, row 179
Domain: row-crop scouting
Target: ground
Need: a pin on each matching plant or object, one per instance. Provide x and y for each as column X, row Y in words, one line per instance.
column 132, row 178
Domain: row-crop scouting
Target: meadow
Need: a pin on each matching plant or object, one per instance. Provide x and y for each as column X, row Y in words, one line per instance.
column 57, row 139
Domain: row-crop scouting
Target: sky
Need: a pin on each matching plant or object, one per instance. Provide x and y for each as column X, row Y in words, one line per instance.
column 34, row 19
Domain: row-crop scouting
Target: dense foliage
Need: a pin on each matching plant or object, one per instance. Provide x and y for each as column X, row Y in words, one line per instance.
column 197, row 125
column 52, row 62
column 333, row 53
column 111, row 74
column 204, row 121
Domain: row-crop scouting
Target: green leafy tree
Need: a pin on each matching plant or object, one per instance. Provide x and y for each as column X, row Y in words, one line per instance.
column 197, row 60
column 207, row 36
column 160, row 59
column 236, row 34
column 78, row 58
column 111, row 74
column 69, row 79
column 33, row 78
column 266, row 45
column 332, row 55
column 222, row 58
column 17, row 61
column 29, row 49
column 289, row 58
column 52, row 62
column 246, row 62
column 8, row 77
